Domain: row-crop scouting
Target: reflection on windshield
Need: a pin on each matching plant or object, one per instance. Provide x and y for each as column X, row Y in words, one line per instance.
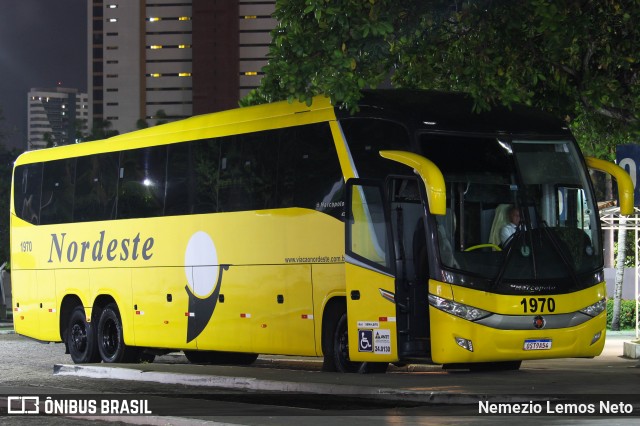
column 516, row 210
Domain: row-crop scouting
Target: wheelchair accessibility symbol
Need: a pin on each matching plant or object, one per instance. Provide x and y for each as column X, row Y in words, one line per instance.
column 365, row 340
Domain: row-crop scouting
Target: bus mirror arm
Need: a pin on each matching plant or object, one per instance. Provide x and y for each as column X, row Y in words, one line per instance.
column 430, row 175
column 625, row 185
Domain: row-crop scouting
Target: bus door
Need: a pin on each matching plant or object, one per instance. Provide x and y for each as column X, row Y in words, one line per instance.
column 386, row 270
column 386, row 261
column 370, row 274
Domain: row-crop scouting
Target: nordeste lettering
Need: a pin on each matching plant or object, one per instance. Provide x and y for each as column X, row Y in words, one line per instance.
column 63, row 249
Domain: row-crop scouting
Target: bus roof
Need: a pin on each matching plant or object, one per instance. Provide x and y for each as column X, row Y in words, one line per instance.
column 419, row 109
column 234, row 121
column 453, row 112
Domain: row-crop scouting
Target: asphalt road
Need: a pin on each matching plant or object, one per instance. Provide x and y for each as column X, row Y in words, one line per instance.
column 289, row 390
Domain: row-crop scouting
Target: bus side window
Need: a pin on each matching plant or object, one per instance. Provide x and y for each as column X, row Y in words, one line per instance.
column 58, row 185
column 309, row 174
column 180, row 176
column 203, row 177
column 142, row 181
column 248, row 171
column 27, row 193
column 96, row 185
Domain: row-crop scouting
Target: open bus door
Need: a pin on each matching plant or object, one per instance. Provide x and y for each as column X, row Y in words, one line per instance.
column 386, row 275
column 370, row 274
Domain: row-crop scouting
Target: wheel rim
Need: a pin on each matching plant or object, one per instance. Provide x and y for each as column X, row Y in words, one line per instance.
column 109, row 338
column 343, row 350
column 79, row 337
column 344, row 346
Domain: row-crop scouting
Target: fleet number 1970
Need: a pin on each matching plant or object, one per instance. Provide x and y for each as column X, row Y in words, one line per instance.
column 536, row 305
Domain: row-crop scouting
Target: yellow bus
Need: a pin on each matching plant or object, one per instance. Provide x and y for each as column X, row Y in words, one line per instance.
column 368, row 238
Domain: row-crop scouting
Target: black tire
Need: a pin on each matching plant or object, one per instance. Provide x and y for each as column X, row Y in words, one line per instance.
column 80, row 338
column 111, row 339
column 336, row 358
column 220, row 358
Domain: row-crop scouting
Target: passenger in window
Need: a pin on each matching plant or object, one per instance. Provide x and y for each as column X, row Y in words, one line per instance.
column 510, row 228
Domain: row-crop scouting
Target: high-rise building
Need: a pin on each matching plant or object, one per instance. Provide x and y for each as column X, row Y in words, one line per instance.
column 152, row 60
column 55, row 116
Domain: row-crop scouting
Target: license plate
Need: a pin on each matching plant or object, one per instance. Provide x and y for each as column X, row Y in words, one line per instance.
column 537, row 345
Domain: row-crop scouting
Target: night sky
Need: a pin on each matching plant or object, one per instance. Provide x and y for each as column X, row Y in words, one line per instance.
column 42, row 43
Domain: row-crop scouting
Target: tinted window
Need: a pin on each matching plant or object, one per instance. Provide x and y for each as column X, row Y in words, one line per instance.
column 179, row 198
column 366, row 137
column 203, row 175
column 248, row 172
column 309, row 173
column 142, row 182
column 58, row 186
column 290, row 167
column 28, row 184
column 96, row 187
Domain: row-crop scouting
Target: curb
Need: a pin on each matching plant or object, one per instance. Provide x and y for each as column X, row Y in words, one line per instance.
column 255, row 384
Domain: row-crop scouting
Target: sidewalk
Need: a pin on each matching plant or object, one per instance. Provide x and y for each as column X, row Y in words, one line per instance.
column 609, row 373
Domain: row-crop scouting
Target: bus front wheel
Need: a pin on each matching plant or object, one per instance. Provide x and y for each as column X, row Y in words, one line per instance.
column 110, row 337
column 80, row 338
column 337, row 356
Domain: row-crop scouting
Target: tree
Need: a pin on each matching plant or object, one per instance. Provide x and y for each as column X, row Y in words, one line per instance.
column 101, row 130
column 141, row 124
column 575, row 58
column 161, row 117
column 49, row 139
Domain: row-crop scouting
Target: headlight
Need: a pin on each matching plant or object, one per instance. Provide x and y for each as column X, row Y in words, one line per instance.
column 595, row 309
column 470, row 313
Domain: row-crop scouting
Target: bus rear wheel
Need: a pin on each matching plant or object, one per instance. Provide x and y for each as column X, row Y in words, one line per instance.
column 337, row 356
column 215, row 357
column 80, row 338
column 111, row 339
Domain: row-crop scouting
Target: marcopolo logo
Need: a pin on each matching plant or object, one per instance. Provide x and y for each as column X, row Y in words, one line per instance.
column 65, row 249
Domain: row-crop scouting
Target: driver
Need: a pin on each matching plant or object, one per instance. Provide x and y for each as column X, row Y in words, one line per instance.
column 510, row 228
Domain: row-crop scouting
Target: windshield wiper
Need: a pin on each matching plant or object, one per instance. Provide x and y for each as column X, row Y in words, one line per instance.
column 520, row 233
column 556, row 245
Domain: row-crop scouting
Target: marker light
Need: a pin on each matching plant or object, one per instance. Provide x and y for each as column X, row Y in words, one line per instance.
column 595, row 309
column 465, row 343
column 596, row 337
column 467, row 312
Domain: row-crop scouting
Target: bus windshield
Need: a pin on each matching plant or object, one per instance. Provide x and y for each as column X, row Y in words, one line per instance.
column 517, row 210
